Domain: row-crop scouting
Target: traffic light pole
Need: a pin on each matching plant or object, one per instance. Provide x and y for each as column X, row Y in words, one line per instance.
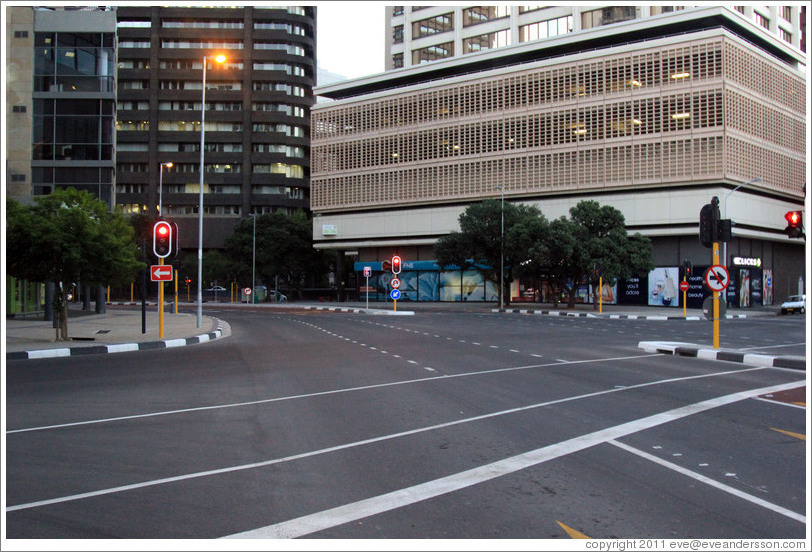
column 715, row 250
column 160, row 304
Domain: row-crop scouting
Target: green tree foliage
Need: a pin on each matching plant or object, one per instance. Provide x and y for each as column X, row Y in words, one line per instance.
column 479, row 240
column 67, row 237
column 592, row 243
column 284, row 249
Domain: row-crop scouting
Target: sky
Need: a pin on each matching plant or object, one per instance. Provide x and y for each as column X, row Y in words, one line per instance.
column 341, row 49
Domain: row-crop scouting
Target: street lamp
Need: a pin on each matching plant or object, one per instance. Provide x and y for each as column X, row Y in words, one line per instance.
column 161, row 185
column 502, row 251
column 219, row 59
column 724, row 214
column 254, row 257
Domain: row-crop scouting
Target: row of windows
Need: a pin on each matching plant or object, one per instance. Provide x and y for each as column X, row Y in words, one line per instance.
column 645, row 117
column 286, row 169
column 582, row 168
column 290, row 69
column 655, row 70
column 212, row 126
column 290, row 192
column 290, row 110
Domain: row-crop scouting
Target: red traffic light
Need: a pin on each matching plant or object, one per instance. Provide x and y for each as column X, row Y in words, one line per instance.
column 396, row 264
column 162, row 238
column 795, row 225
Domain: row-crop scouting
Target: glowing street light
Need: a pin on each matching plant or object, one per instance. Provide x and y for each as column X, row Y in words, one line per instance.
column 218, row 59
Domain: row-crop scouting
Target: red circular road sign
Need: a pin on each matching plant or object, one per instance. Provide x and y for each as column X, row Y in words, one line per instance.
column 395, row 283
column 683, row 286
column 717, row 278
column 247, row 291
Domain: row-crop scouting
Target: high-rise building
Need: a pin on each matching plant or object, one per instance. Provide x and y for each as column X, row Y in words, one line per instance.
column 651, row 110
column 257, row 113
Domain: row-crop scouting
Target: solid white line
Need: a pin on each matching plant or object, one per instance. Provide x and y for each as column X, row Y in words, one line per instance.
column 368, row 441
column 713, row 483
column 317, row 394
column 340, row 515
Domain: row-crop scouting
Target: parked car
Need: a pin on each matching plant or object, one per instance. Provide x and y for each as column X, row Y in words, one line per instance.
column 794, row 303
column 216, row 288
column 276, row 297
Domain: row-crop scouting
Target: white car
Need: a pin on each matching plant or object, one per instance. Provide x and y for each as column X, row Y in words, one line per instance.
column 794, row 303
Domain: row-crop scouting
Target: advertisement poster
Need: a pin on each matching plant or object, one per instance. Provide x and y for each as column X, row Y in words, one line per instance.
column 632, row 291
column 662, row 286
column 768, row 286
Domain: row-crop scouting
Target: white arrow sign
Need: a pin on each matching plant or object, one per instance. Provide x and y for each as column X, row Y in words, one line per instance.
column 160, row 273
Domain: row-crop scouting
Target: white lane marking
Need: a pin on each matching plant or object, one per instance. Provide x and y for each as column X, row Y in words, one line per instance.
column 713, row 483
column 347, row 513
column 336, row 391
column 781, row 403
column 424, row 429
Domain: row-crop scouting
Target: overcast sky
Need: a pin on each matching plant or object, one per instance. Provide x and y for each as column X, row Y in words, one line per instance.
column 350, row 37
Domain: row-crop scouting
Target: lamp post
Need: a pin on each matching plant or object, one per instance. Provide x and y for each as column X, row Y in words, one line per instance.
column 724, row 214
column 161, row 185
column 502, row 251
column 254, row 258
column 220, row 59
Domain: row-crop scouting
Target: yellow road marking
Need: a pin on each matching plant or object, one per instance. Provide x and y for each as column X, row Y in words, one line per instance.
column 791, row 434
column 572, row 532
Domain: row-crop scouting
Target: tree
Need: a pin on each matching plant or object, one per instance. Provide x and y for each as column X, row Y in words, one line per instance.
column 284, row 249
column 479, row 240
column 593, row 243
column 67, row 237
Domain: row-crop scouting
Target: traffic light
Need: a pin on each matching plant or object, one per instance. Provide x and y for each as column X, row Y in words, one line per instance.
column 709, row 223
column 395, row 264
column 795, row 224
column 162, row 238
column 687, row 267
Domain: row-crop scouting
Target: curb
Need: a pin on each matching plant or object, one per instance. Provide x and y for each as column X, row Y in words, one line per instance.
column 547, row 312
column 118, row 347
column 750, row 359
column 610, row 316
column 361, row 311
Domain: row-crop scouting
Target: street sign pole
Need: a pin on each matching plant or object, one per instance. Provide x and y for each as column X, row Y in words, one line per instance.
column 161, row 304
column 715, row 250
column 684, row 297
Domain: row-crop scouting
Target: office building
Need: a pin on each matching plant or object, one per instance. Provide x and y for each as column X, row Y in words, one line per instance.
column 257, row 113
column 654, row 111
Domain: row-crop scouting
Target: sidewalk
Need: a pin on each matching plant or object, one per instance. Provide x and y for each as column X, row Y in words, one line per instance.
column 116, row 330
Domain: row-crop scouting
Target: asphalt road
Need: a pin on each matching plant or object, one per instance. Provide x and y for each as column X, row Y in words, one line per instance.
column 438, row 425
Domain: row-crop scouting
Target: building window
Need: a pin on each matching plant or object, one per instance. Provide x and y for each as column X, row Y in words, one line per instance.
column 546, row 29
column 397, row 10
column 761, row 20
column 20, row 34
column 785, row 12
column 785, row 35
column 432, row 53
column 397, row 60
column 17, row 177
column 607, row 16
column 485, row 42
column 433, row 25
column 483, row 14
column 18, row 109
column 397, row 34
